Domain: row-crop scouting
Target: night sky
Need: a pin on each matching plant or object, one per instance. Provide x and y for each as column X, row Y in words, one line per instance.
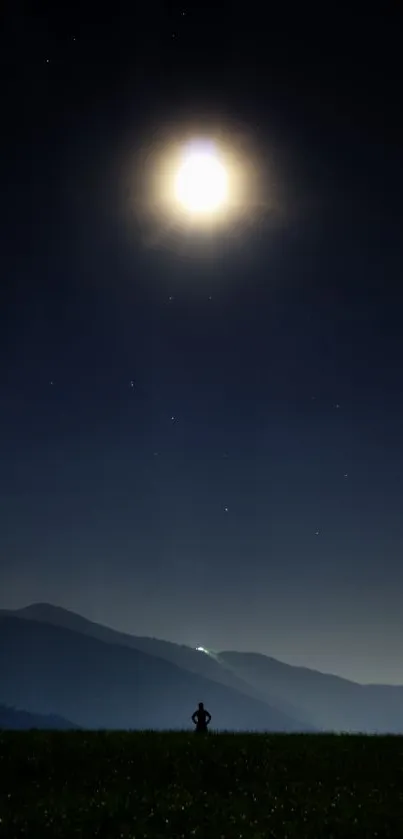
column 201, row 435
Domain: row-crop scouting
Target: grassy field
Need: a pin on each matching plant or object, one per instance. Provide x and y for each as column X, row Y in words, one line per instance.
column 230, row 786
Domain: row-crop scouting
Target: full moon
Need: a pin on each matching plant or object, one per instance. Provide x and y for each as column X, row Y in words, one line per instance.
column 201, row 184
column 197, row 189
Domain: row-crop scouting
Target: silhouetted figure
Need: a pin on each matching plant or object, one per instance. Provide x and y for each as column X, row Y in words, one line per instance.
column 201, row 718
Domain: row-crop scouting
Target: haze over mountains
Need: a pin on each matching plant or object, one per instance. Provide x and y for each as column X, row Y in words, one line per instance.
column 55, row 662
column 23, row 720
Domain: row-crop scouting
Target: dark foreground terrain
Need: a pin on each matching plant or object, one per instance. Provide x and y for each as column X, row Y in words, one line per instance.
column 148, row 785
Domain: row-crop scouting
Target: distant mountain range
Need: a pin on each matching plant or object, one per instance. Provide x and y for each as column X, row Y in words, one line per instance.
column 55, row 662
column 22, row 720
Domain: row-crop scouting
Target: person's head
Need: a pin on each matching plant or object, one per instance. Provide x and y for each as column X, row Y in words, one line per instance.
column 201, row 706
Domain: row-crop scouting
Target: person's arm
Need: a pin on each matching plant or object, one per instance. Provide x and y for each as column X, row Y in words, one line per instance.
column 209, row 717
column 194, row 718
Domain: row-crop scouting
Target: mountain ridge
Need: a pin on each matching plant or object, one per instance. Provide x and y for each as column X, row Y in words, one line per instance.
column 43, row 612
column 18, row 719
column 321, row 701
column 51, row 669
column 181, row 654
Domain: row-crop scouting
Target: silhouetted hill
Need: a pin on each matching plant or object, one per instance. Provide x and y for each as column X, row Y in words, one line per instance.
column 315, row 699
column 49, row 669
column 185, row 657
column 19, row 720
column 328, row 701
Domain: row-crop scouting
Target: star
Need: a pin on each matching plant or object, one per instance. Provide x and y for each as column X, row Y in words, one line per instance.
column 317, row 532
column 225, row 509
column 132, row 383
column 170, row 298
column 346, row 474
column 337, row 405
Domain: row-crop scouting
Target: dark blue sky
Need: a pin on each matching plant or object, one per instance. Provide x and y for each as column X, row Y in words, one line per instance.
column 267, row 514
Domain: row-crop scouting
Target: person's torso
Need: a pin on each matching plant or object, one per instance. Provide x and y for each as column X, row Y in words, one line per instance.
column 201, row 717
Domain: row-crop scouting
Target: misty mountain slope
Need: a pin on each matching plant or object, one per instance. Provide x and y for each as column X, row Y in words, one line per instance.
column 329, row 701
column 321, row 700
column 181, row 655
column 53, row 670
column 19, row 720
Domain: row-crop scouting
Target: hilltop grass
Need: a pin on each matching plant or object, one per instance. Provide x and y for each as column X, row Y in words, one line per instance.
column 153, row 785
